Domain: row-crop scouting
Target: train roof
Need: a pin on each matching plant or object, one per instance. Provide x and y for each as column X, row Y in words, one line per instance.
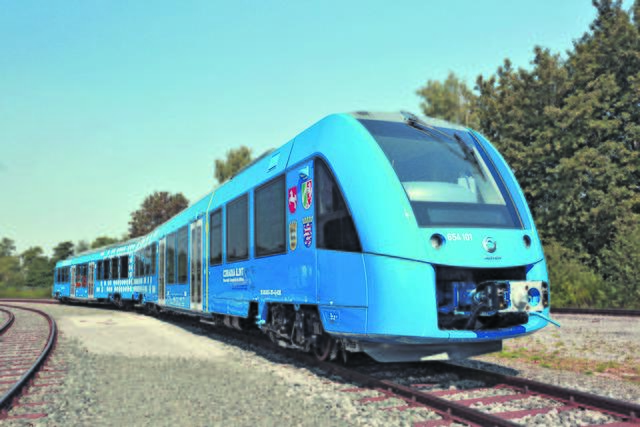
column 262, row 169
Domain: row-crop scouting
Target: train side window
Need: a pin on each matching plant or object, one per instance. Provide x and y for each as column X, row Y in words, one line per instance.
column 215, row 238
column 124, row 266
column 56, row 276
column 99, row 271
column 269, row 215
column 171, row 259
column 114, row 268
column 238, row 229
column 107, row 269
column 147, row 261
column 183, row 248
column 335, row 227
column 152, row 258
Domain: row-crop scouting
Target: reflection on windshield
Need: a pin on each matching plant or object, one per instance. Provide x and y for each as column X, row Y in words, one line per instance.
column 439, row 173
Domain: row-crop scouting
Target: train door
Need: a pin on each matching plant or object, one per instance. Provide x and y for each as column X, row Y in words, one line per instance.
column 161, row 270
column 72, row 284
column 196, row 265
column 90, row 279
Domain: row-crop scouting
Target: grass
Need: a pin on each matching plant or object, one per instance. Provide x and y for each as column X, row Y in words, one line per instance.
column 33, row 293
column 554, row 360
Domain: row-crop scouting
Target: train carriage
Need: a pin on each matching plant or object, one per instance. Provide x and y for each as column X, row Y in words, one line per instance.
column 407, row 238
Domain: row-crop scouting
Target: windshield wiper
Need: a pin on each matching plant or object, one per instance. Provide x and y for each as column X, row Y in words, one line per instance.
column 469, row 154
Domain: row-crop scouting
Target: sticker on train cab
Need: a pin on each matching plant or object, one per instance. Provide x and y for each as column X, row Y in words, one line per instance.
column 293, row 235
column 293, row 199
column 307, row 231
column 307, row 193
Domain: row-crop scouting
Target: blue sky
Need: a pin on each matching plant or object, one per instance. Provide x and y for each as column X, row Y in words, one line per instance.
column 104, row 102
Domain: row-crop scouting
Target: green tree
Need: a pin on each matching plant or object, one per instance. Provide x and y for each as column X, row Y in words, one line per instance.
column 36, row 268
column 81, row 246
column 7, row 247
column 236, row 160
column 621, row 265
column 62, row 251
column 573, row 284
column 450, row 100
column 155, row 210
column 104, row 241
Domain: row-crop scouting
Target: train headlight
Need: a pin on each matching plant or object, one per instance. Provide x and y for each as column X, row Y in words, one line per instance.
column 437, row 240
column 527, row 241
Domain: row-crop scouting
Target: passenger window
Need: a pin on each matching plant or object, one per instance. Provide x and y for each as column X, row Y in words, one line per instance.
column 100, row 267
column 335, row 228
column 183, row 247
column 137, row 264
column 114, row 268
column 215, row 238
column 124, row 267
column 152, row 259
column 171, row 259
column 238, row 229
column 270, row 218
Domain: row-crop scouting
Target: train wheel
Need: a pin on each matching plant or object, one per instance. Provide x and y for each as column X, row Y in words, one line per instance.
column 322, row 350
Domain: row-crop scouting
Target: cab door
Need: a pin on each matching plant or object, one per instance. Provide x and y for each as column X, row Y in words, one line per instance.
column 196, row 265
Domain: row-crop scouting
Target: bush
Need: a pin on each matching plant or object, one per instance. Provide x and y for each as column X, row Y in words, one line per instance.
column 572, row 283
column 33, row 293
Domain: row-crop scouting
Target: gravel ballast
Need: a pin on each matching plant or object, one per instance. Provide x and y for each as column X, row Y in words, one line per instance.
column 129, row 369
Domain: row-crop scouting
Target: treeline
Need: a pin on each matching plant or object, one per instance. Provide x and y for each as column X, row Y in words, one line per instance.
column 569, row 126
column 30, row 273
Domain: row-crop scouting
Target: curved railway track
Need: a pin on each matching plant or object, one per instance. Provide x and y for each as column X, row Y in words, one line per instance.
column 486, row 399
column 25, row 343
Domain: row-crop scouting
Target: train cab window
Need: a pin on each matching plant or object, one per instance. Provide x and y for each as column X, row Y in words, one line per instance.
column 183, row 248
column 114, row 268
column 270, row 219
column 124, row 267
column 335, row 227
column 238, row 229
column 171, row 259
column 215, row 238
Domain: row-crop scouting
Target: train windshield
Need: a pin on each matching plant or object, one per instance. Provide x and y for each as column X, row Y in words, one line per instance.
column 446, row 177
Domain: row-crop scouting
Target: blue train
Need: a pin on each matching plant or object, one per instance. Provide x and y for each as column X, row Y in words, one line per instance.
column 403, row 237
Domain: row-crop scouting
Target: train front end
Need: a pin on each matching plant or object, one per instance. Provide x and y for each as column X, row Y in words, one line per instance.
column 452, row 257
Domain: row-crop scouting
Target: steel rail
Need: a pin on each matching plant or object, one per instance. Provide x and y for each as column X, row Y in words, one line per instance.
column 29, row 300
column 5, row 326
column 7, row 398
column 579, row 398
column 448, row 410
column 596, row 311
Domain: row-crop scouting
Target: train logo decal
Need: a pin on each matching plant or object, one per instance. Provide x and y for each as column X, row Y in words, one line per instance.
column 293, row 199
column 307, row 193
column 293, row 235
column 489, row 244
column 307, row 230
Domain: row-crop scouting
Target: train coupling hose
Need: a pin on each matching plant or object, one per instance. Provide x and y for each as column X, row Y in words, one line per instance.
column 548, row 319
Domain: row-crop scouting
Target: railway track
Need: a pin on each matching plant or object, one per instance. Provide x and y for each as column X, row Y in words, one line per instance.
column 597, row 311
column 27, row 338
column 479, row 398
column 486, row 399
